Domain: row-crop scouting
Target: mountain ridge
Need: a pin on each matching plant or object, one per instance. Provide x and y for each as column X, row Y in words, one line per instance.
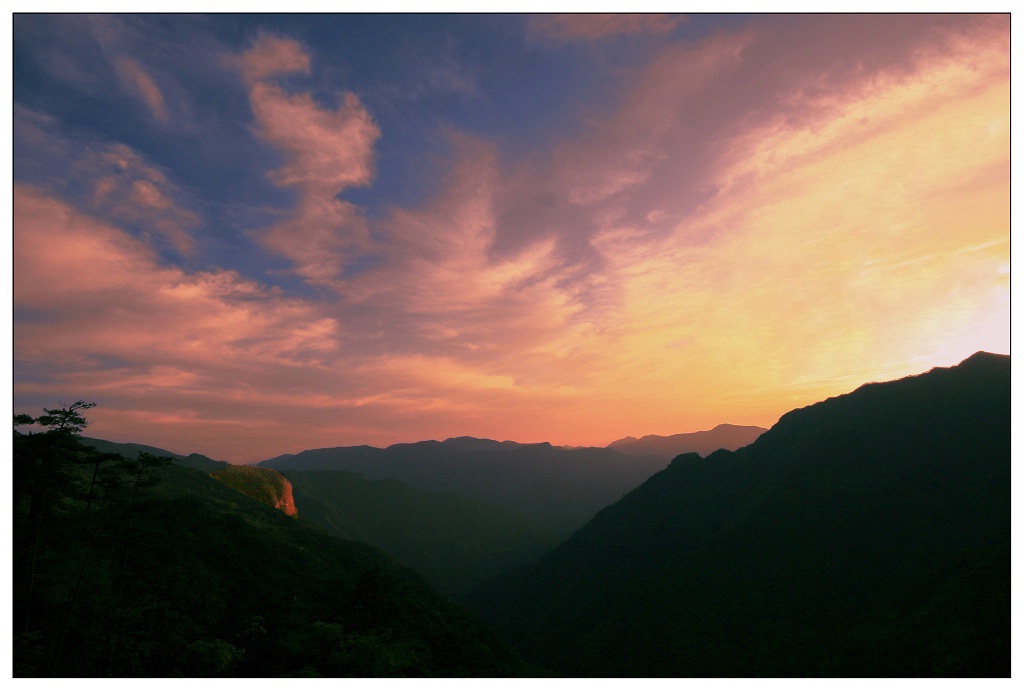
column 864, row 535
column 188, row 577
column 722, row 436
column 558, row 488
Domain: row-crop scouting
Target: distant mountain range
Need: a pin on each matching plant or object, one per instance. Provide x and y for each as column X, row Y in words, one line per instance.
column 461, row 510
column 729, row 437
column 559, row 488
column 866, row 535
column 451, row 540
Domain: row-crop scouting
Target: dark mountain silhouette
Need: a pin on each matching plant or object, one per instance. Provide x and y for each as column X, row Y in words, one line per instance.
column 262, row 484
column 560, row 489
column 866, row 535
column 194, row 460
column 454, row 542
column 474, row 444
column 451, row 540
column 728, row 437
column 160, row 570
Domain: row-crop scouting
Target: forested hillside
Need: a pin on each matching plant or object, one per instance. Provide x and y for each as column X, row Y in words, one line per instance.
column 144, row 568
column 867, row 535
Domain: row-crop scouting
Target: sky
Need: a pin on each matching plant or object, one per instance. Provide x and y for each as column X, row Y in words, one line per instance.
column 248, row 235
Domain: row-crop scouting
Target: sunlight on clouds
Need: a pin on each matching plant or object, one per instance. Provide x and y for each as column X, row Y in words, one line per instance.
column 328, row 150
column 441, row 374
column 115, row 299
column 106, row 178
column 738, row 229
column 796, row 287
column 270, row 56
column 884, row 101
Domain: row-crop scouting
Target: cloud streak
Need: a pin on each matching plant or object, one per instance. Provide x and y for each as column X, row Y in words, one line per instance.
column 747, row 222
column 139, row 81
column 593, row 27
column 327, row 151
column 108, row 179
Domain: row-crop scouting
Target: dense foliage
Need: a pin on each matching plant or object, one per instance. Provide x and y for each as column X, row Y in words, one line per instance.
column 867, row 535
column 141, row 567
column 453, row 541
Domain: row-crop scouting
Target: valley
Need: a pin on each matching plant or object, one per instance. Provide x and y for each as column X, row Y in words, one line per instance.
column 874, row 521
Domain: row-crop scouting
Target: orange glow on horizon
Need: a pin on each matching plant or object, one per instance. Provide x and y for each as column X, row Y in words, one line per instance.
column 848, row 234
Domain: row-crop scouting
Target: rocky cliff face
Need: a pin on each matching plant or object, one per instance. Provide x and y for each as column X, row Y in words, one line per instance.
column 263, row 484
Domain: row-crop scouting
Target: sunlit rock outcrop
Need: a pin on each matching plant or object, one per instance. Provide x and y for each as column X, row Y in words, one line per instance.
column 263, row 484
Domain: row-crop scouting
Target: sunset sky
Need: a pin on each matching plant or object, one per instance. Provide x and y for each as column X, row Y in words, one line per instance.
column 247, row 235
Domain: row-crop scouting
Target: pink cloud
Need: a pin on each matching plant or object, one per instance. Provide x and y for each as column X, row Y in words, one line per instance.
column 111, row 180
column 109, row 290
column 591, row 27
column 271, row 56
column 320, row 234
column 328, row 150
column 129, row 189
column 688, row 257
column 139, row 81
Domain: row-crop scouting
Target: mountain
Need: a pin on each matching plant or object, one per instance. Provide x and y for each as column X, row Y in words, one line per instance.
column 262, row 484
column 866, row 535
column 454, row 542
column 559, row 489
column 474, row 444
column 729, row 437
column 451, row 540
column 194, row 460
column 160, row 570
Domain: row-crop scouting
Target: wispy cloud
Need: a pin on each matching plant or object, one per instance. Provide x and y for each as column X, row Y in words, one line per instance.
column 592, row 27
column 139, row 81
column 328, row 150
column 109, row 179
column 747, row 222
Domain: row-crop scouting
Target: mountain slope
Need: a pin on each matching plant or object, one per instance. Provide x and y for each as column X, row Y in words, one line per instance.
column 194, row 460
column 454, row 542
column 189, row 577
column 729, row 437
column 560, row 489
column 867, row 535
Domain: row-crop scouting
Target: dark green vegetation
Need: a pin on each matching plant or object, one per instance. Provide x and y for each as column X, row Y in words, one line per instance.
column 454, row 542
column 262, row 484
column 141, row 567
column 867, row 535
column 729, row 437
column 557, row 488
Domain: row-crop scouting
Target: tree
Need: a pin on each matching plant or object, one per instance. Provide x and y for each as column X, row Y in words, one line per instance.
column 42, row 467
column 137, row 470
